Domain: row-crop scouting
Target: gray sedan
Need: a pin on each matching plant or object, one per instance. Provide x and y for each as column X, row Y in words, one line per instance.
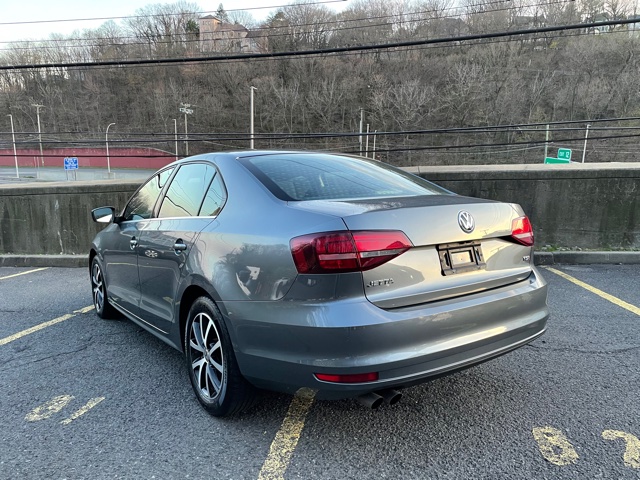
column 283, row 270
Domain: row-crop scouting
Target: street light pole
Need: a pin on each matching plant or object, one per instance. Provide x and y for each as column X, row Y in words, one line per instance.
column 175, row 134
column 106, row 140
column 13, row 137
column 184, row 108
column 38, row 107
column 186, row 136
column 251, row 127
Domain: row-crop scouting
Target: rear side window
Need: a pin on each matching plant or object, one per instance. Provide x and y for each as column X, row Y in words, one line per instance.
column 186, row 191
column 330, row 177
column 214, row 199
column 141, row 205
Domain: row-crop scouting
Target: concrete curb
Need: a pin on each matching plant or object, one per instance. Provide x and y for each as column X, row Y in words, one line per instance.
column 586, row 258
column 69, row 261
column 540, row 258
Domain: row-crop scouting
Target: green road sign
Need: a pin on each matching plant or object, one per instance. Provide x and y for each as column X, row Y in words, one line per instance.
column 564, row 154
column 556, row 160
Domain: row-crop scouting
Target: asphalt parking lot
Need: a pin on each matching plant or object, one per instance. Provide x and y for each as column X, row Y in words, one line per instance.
column 89, row 398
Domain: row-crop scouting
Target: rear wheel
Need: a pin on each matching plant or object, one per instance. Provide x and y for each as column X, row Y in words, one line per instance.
column 215, row 377
column 99, row 290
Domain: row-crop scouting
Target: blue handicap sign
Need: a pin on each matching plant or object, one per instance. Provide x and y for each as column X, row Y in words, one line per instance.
column 70, row 163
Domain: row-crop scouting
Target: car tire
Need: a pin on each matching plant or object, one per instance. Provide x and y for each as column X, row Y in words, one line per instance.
column 213, row 370
column 99, row 292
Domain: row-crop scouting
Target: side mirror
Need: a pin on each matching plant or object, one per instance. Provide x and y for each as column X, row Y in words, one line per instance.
column 103, row 214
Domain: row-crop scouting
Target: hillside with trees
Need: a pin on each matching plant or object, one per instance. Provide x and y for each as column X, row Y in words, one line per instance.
column 485, row 100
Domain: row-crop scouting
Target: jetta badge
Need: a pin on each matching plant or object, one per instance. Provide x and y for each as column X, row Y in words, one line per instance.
column 466, row 222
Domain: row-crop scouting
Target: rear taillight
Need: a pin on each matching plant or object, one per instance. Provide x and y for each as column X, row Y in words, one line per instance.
column 339, row 252
column 521, row 231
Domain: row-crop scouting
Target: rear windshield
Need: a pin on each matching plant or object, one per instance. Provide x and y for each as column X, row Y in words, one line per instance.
column 296, row 177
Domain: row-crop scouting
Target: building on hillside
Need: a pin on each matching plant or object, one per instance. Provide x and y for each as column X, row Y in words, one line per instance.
column 599, row 17
column 219, row 36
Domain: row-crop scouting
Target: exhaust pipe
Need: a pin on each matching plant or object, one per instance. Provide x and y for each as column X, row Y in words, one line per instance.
column 370, row 400
column 390, row 396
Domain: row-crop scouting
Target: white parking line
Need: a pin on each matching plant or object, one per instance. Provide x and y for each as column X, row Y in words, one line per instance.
column 29, row 331
column 23, row 273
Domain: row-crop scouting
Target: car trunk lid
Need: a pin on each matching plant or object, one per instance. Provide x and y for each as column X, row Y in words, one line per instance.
column 445, row 261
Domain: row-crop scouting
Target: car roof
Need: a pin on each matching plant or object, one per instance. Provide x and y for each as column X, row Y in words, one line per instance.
column 236, row 154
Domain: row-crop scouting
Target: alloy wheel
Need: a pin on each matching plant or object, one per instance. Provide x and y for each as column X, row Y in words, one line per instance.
column 207, row 358
column 98, row 287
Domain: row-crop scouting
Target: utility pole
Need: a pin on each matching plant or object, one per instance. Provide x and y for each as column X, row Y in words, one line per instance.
column 546, row 142
column 13, row 137
column 38, row 107
column 175, row 134
column 586, row 135
column 184, row 108
column 373, row 151
column 361, row 125
column 106, row 140
column 366, row 143
column 251, row 126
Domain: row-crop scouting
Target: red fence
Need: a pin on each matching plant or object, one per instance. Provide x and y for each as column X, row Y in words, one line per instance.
column 147, row 158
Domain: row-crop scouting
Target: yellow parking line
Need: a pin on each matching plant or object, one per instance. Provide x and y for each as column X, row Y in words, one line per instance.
column 286, row 439
column 48, row 409
column 600, row 293
column 89, row 405
column 23, row 273
column 554, row 446
column 631, row 455
column 29, row 331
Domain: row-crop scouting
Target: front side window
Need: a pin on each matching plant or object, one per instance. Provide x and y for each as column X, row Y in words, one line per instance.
column 140, row 207
column 186, row 191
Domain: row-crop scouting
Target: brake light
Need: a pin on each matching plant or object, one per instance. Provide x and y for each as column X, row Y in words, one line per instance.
column 352, row 378
column 340, row 252
column 521, row 231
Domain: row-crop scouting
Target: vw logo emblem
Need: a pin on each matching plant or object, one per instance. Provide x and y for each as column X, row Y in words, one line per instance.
column 466, row 222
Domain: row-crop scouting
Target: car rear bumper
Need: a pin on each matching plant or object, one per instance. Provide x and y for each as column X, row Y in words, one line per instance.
column 281, row 345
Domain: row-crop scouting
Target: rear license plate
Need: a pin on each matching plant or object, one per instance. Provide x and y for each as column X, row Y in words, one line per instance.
column 460, row 257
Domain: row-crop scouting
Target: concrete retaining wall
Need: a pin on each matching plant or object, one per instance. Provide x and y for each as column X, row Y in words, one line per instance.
column 55, row 218
column 586, row 206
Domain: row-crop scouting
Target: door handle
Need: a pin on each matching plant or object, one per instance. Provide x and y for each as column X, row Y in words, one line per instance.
column 133, row 243
column 179, row 246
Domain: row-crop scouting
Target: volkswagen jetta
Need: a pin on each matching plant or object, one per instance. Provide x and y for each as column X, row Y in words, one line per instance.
column 345, row 275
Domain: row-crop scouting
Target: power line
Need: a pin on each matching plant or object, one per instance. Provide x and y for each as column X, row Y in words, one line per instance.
column 515, row 127
column 413, row 49
column 286, row 26
column 78, row 144
column 63, row 20
column 477, row 145
column 322, row 51
column 456, row 44
column 420, row 48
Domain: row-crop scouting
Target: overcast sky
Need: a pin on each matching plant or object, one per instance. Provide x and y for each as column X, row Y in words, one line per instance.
column 33, row 10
